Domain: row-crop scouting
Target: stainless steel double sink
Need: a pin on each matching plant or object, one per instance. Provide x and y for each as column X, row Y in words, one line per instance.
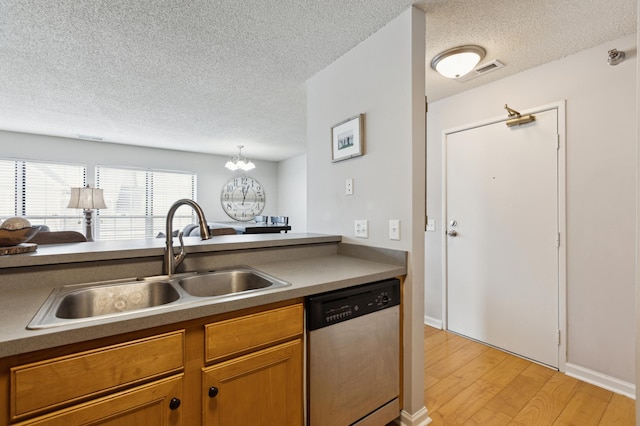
column 84, row 302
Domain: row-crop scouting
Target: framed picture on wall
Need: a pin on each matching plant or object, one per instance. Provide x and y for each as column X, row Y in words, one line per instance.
column 347, row 139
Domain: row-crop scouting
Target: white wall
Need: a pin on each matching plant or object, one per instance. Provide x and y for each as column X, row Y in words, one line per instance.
column 601, row 152
column 209, row 168
column 637, row 299
column 383, row 77
column 292, row 192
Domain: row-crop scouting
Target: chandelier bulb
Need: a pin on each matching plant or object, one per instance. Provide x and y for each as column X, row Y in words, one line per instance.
column 239, row 162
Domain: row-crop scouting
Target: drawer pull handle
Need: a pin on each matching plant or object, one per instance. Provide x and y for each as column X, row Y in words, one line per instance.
column 213, row 392
column 174, row 403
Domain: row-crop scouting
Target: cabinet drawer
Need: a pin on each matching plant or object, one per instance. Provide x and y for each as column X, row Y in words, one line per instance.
column 148, row 404
column 48, row 384
column 250, row 332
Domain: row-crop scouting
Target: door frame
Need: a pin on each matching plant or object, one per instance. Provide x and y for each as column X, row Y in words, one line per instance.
column 560, row 108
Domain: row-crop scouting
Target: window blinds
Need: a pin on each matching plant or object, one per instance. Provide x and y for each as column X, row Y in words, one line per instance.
column 40, row 191
column 138, row 201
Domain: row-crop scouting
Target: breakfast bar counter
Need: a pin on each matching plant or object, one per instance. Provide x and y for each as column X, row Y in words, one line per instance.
column 311, row 263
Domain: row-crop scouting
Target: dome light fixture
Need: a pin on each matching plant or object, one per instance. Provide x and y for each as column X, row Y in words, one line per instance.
column 457, row 61
column 238, row 162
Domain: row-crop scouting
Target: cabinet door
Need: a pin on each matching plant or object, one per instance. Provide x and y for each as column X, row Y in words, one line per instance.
column 155, row 404
column 260, row 389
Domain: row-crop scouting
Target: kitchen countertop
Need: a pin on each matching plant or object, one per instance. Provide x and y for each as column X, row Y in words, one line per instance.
column 335, row 266
column 52, row 254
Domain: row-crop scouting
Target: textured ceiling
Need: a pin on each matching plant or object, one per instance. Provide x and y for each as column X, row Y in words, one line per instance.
column 521, row 34
column 207, row 75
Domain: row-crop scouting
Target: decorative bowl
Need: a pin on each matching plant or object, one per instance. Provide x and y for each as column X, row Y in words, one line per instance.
column 13, row 237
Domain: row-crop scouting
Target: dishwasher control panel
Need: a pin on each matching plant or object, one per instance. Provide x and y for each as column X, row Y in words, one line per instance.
column 341, row 305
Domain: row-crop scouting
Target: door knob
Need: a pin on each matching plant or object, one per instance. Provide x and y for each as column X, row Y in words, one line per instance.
column 452, row 233
column 174, row 403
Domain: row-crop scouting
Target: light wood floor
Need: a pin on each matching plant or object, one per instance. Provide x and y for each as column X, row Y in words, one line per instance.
column 467, row 383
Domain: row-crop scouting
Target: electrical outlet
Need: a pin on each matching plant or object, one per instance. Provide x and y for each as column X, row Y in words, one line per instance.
column 394, row 229
column 362, row 229
column 348, row 190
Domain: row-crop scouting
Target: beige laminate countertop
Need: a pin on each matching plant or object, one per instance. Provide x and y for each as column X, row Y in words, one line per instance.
column 129, row 249
column 331, row 269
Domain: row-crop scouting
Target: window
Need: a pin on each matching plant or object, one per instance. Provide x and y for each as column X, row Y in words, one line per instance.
column 138, row 201
column 40, row 191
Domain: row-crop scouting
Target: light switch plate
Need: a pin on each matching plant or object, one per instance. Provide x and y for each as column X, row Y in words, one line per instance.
column 362, row 228
column 348, row 190
column 394, row 229
column 431, row 225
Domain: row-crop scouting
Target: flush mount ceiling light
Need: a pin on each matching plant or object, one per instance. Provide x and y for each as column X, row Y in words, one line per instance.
column 457, row 61
column 239, row 162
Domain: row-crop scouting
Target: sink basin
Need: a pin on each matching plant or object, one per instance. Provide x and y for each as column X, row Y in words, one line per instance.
column 109, row 299
column 227, row 282
column 79, row 303
column 84, row 302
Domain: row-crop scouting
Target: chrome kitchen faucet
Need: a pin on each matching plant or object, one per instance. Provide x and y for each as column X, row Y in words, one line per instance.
column 171, row 260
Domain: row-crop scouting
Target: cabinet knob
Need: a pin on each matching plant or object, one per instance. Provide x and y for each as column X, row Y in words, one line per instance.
column 213, row 392
column 174, row 403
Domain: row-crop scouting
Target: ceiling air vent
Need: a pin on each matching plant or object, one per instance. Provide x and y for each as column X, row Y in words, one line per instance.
column 90, row 138
column 481, row 70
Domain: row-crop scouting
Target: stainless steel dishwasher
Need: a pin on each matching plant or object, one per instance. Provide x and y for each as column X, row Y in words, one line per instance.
column 353, row 338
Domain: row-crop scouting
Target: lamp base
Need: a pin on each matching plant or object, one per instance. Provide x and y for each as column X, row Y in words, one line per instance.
column 87, row 218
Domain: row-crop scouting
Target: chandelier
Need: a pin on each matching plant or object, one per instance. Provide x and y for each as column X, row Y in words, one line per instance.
column 238, row 162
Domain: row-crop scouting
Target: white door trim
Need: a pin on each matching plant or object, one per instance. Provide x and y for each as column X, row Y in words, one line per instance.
column 560, row 106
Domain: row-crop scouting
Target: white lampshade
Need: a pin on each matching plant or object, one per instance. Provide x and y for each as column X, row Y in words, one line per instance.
column 86, row 198
column 458, row 61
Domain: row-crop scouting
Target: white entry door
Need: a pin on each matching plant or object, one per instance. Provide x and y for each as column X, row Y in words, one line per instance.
column 502, row 236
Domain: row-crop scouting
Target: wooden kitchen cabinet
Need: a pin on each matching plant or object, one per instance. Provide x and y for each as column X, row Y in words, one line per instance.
column 163, row 376
column 260, row 389
column 262, row 386
column 85, row 387
column 52, row 383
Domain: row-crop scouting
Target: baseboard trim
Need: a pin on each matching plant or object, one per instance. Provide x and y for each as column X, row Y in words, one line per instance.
column 601, row 380
column 433, row 322
column 421, row 418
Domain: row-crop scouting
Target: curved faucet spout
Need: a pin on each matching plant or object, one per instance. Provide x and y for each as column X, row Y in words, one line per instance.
column 171, row 260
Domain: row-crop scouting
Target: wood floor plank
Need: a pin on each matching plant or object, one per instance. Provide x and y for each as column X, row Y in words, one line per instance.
column 586, row 407
column 514, row 396
column 447, row 388
column 449, row 345
column 508, row 370
column 446, row 365
column 545, row 407
column 621, row 411
column 471, row 384
column 430, row 331
column 430, row 381
column 464, row 405
column 437, row 346
column 488, row 417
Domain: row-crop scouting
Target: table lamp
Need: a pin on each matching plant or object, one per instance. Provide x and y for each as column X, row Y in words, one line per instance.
column 87, row 199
